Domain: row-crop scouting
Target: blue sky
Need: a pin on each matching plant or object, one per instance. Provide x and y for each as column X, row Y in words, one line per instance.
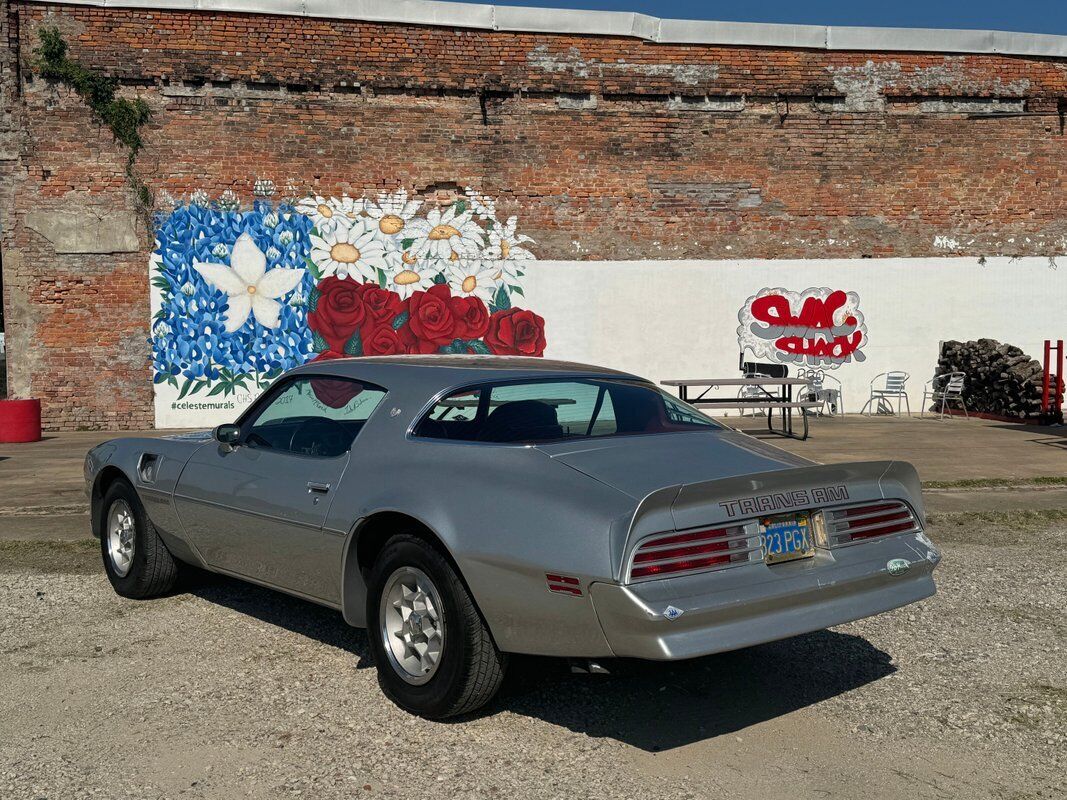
column 1037, row 16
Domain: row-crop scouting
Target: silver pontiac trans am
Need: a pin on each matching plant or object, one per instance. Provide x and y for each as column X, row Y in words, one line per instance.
column 466, row 508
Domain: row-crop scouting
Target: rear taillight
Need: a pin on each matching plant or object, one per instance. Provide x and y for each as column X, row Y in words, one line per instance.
column 847, row 525
column 695, row 551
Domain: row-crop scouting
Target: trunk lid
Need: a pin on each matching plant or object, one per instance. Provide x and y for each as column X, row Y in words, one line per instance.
column 638, row 465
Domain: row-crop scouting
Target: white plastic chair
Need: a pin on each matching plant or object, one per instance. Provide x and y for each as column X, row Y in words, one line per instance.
column 831, row 397
column 750, row 392
column 893, row 385
column 944, row 389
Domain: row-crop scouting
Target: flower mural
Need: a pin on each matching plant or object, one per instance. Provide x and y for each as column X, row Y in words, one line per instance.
column 240, row 296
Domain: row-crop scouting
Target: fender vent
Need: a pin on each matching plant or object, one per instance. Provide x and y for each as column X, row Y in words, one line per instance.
column 564, row 584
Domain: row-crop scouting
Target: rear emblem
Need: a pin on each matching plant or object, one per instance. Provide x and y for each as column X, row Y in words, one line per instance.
column 897, row 566
column 672, row 613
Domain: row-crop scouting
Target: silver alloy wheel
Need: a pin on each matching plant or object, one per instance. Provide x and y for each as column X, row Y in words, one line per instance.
column 412, row 625
column 121, row 537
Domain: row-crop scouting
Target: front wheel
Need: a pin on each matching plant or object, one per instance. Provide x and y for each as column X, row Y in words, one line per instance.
column 434, row 653
column 137, row 562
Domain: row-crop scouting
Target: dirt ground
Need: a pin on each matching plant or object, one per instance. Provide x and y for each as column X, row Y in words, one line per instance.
column 224, row 690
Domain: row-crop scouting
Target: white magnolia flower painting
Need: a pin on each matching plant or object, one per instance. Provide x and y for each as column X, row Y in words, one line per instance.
column 248, row 286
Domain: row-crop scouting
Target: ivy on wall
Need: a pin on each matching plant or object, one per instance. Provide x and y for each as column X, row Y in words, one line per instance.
column 122, row 116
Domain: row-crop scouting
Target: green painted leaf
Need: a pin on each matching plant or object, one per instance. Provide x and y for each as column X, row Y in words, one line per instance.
column 172, row 381
column 401, row 320
column 159, row 377
column 160, row 282
column 313, row 299
column 479, row 347
column 440, row 278
column 461, row 206
column 185, row 388
column 354, row 346
column 318, row 343
column 219, row 387
column 501, row 300
column 200, row 385
column 517, row 290
column 406, row 243
column 313, row 269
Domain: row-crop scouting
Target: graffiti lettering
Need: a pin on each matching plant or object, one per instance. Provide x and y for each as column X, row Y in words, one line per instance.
column 819, row 327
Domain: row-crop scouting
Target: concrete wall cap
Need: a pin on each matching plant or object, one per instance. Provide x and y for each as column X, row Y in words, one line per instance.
column 620, row 23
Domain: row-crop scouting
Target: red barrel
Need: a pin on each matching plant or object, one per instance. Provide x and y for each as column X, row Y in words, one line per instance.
column 20, row 420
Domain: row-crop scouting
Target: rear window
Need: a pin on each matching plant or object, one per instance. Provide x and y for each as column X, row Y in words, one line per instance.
column 532, row 412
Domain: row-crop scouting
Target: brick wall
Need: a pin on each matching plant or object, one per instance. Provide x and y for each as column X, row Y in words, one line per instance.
column 609, row 148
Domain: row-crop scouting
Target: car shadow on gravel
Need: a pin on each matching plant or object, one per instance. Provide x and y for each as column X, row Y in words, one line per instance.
column 659, row 706
column 654, row 706
column 299, row 616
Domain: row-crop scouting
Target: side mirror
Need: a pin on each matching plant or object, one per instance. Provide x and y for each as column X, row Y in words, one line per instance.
column 228, row 434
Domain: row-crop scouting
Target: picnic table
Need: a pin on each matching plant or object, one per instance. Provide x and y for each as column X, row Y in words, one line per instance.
column 763, row 399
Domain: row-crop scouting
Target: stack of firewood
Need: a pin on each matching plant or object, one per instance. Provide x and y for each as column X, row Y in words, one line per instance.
column 1001, row 378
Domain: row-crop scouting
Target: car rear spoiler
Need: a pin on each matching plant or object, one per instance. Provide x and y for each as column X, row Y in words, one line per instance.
column 744, row 497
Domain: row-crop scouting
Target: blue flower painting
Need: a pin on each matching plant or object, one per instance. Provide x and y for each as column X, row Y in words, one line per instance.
column 192, row 349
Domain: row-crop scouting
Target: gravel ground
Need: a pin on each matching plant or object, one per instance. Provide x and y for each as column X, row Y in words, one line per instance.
column 227, row 690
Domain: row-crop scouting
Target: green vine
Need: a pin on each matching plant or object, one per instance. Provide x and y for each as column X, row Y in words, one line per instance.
column 123, row 117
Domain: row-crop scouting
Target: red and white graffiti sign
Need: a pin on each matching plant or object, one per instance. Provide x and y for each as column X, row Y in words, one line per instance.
column 819, row 327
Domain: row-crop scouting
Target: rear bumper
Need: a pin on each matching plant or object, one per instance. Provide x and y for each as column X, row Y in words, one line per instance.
column 749, row 605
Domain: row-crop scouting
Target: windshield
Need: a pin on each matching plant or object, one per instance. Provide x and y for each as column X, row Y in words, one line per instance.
column 532, row 412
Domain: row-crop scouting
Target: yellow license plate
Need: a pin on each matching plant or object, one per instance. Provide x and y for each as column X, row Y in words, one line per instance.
column 787, row 537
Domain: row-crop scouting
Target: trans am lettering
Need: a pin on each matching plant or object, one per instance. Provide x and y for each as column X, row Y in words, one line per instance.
column 800, row 498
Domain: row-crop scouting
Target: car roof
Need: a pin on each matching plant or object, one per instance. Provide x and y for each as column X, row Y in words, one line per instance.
column 434, row 372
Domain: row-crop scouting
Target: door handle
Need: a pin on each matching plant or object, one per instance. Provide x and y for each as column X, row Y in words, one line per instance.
column 319, row 488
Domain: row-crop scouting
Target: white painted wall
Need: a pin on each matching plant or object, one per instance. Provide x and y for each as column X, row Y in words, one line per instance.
column 678, row 319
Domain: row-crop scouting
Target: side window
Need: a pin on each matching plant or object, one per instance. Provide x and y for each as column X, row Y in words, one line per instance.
column 315, row 416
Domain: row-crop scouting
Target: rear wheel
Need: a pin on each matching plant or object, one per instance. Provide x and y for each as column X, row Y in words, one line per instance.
column 137, row 562
column 434, row 653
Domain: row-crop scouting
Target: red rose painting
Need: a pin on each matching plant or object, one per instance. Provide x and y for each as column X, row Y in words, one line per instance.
column 382, row 341
column 431, row 316
column 405, row 282
column 516, row 332
column 338, row 313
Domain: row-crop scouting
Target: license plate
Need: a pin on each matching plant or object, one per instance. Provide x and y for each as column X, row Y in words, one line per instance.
column 787, row 537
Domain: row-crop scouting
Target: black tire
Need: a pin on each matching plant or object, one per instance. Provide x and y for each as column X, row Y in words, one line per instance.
column 470, row 669
column 152, row 570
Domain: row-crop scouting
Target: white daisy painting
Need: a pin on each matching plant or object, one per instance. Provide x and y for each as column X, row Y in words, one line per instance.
column 353, row 248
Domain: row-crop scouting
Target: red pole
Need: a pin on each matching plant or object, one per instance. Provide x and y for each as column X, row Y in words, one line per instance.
column 1059, row 376
column 1046, row 377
